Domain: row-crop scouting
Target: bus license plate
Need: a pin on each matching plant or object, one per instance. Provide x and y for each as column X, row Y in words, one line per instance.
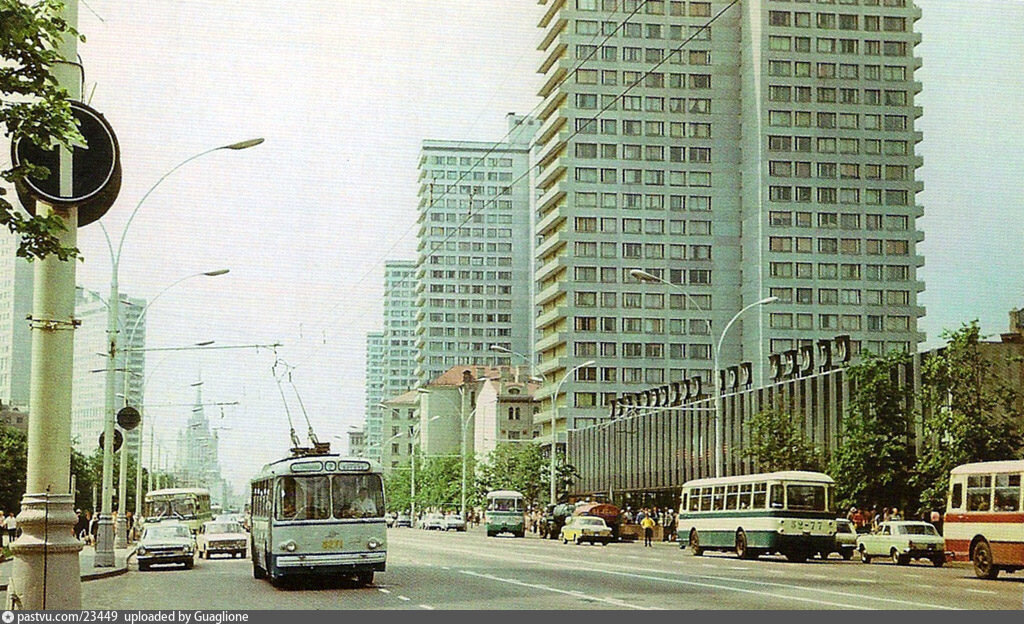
column 331, row 544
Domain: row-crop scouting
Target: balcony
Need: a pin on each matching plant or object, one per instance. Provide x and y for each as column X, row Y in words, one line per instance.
column 552, row 267
column 551, row 174
column 550, row 198
column 554, row 79
column 550, row 244
column 552, row 11
column 549, row 293
column 556, row 29
column 549, row 341
column 554, row 124
column 550, row 221
column 556, row 55
column 551, row 316
column 551, row 104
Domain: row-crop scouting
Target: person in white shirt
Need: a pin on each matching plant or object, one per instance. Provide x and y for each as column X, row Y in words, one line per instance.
column 363, row 506
column 11, row 524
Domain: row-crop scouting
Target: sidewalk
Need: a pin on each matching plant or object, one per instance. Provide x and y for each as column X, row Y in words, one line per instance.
column 85, row 562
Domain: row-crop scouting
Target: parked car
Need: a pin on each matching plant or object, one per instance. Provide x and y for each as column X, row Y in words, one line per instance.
column 581, row 529
column 902, row 541
column 434, row 521
column 403, row 520
column 167, row 542
column 846, row 540
column 454, row 522
column 221, row 537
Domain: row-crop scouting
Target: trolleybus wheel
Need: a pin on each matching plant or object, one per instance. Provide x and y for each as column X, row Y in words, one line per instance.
column 695, row 548
column 364, row 578
column 982, row 558
column 742, row 550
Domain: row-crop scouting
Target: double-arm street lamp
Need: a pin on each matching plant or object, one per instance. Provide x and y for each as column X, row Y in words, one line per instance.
column 414, row 434
column 644, row 276
column 554, row 422
column 105, row 543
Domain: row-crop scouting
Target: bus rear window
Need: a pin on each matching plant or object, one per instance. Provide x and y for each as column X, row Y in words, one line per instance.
column 806, row 497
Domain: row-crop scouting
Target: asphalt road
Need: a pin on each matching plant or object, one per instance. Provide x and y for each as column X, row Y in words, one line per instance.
column 433, row 570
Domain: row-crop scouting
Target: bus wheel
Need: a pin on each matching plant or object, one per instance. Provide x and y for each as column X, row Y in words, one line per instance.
column 364, row 578
column 982, row 558
column 258, row 572
column 742, row 550
column 695, row 548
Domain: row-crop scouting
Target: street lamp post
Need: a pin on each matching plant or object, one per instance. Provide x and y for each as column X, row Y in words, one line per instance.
column 554, row 421
column 644, row 276
column 104, row 556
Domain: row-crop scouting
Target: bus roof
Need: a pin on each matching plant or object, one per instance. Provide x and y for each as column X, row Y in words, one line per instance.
column 1010, row 465
column 782, row 475
column 504, row 494
column 177, row 491
column 281, row 466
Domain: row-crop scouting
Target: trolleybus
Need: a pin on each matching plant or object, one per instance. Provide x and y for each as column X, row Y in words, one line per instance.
column 505, row 513
column 778, row 512
column 190, row 506
column 318, row 514
column 984, row 521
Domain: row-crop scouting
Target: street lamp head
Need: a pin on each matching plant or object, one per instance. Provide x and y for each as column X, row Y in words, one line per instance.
column 768, row 300
column 422, row 391
column 643, row 276
column 587, row 363
column 495, row 347
column 241, row 145
column 216, row 273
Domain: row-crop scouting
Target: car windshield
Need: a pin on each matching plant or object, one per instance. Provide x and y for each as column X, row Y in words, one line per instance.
column 178, row 507
column 166, row 532
column 505, row 504
column 319, row 497
column 917, row 529
column 223, row 527
column 844, row 526
column 591, row 521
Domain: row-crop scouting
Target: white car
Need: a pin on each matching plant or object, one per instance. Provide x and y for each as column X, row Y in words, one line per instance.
column 434, row 521
column 902, row 541
column 454, row 522
column 222, row 537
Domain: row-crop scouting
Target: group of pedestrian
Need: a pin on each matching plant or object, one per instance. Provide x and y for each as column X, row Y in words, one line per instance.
column 8, row 528
column 86, row 526
column 649, row 518
column 868, row 520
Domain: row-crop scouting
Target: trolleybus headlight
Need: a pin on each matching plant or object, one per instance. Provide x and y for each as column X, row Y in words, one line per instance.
column 141, row 550
column 373, row 544
column 289, row 546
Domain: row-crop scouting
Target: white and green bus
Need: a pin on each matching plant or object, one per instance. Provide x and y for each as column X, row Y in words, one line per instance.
column 190, row 506
column 506, row 513
column 786, row 512
column 318, row 515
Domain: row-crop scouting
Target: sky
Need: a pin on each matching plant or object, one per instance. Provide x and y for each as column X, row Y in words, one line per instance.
column 344, row 92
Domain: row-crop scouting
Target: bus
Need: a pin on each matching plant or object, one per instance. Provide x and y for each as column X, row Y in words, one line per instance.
column 506, row 513
column 190, row 506
column 787, row 512
column 318, row 514
column 984, row 520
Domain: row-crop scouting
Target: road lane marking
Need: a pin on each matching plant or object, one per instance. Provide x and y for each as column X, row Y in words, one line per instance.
column 383, row 591
column 735, row 568
column 427, row 607
column 573, row 593
column 558, row 563
column 403, row 598
column 981, row 591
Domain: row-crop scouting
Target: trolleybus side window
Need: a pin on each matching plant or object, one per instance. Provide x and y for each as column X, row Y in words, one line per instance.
column 777, row 496
column 745, row 490
column 806, row 497
column 695, row 499
column 732, row 497
column 705, row 499
column 718, row 502
column 357, row 496
column 303, row 498
column 1007, row 492
column 683, row 505
column 759, row 495
column 956, row 496
column 979, row 492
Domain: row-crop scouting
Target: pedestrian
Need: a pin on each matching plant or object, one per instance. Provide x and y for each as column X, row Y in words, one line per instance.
column 129, row 523
column 668, row 526
column 11, row 524
column 79, row 522
column 936, row 519
column 94, row 527
column 2, row 530
column 895, row 515
column 648, row 526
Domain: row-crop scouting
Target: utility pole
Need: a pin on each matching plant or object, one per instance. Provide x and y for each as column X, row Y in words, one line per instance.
column 46, row 572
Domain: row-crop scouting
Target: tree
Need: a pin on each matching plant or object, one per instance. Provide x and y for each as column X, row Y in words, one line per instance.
column 972, row 414
column 521, row 467
column 33, row 107
column 873, row 462
column 777, row 443
column 13, row 460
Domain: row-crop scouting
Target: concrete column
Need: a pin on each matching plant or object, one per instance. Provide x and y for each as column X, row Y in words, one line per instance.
column 46, row 570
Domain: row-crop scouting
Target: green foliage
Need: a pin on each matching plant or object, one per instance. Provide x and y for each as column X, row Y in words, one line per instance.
column 13, row 459
column 33, row 107
column 873, row 462
column 777, row 443
column 522, row 467
column 973, row 415
column 438, row 484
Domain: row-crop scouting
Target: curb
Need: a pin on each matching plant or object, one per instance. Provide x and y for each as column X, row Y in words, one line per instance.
column 94, row 576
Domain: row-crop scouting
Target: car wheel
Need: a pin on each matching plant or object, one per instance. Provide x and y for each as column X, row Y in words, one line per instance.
column 578, row 540
column 897, row 558
column 695, row 548
column 864, row 556
column 939, row 561
column 847, row 553
column 982, row 559
column 742, row 551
